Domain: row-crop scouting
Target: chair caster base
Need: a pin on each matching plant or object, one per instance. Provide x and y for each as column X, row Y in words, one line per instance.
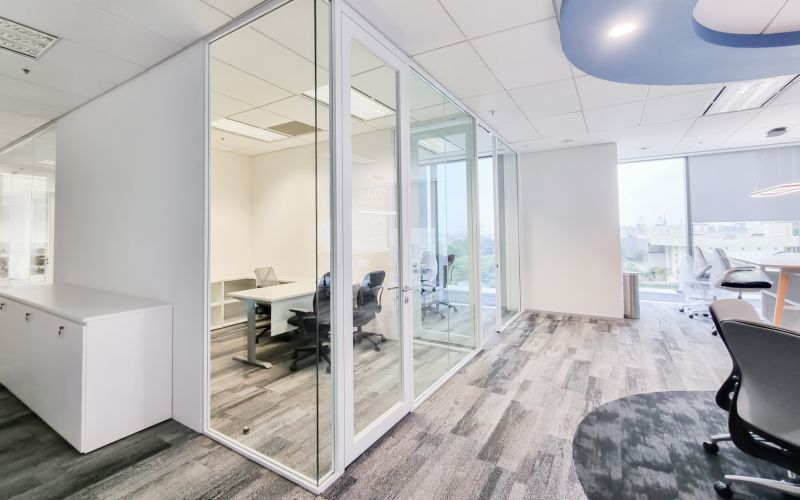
column 711, row 447
column 723, row 489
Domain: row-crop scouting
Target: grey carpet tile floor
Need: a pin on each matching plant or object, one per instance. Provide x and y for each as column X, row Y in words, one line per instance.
column 501, row 428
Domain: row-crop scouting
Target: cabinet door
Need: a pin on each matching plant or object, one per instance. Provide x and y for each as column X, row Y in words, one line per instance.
column 29, row 356
column 62, row 376
column 7, row 343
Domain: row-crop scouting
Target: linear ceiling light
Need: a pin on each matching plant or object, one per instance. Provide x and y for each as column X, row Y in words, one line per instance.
column 751, row 94
column 438, row 145
column 246, row 130
column 779, row 190
column 362, row 106
column 24, row 40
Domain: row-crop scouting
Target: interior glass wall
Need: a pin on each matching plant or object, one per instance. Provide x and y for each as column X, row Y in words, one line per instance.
column 270, row 239
column 487, row 243
column 377, row 322
column 508, row 259
column 27, row 195
column 443, row 262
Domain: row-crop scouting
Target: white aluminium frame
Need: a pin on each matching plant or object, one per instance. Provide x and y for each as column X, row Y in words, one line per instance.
column 347, row 24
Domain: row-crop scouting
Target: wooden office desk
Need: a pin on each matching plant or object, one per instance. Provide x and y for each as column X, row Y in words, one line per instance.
column 281, row 298
column 786, row 264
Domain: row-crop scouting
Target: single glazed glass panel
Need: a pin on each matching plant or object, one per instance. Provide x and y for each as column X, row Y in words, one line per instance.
column 508, row 259
column 270, row 286
column 377, row 336
column 444, row 319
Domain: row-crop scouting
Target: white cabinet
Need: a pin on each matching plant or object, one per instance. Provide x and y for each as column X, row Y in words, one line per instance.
column 95, row 366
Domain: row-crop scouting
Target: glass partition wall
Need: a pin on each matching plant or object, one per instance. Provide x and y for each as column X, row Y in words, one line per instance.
column 270, row 290
column 442, row 233
column 325, row 330
column 27, row 195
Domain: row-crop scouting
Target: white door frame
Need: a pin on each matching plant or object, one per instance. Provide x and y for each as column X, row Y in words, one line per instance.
column 356, row 444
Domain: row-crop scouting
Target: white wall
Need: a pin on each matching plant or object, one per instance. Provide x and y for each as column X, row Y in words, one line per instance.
column 231, row 216
column 130, row 204
column 570, row 231
column 284, row 212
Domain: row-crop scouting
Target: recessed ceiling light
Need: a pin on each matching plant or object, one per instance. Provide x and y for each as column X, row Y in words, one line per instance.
column 777, row 131
column 24, row 40
column 751, row 94
column 246, row 130
column 362, row 106
column 567, row 140
column 644, row 148
column 622, row 30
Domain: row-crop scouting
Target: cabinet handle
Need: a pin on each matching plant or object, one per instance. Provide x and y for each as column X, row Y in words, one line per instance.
column 2, row 305
column 60, row 330
column 27, row 316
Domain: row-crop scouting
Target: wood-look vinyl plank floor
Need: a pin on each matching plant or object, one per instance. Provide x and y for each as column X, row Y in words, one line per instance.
column 502, row 427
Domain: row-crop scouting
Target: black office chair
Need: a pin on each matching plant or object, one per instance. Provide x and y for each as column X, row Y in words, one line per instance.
column 368, row 305
column 763, row 420
column 314, row 326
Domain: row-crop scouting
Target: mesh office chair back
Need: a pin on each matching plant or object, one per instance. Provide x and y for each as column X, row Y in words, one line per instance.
column 723, row 258
column 726, row 310
column 265, row 276
column 700, row 265
column 768, row 395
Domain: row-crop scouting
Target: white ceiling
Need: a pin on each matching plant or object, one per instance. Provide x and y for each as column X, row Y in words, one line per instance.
column 504, row 60
column 103, row 43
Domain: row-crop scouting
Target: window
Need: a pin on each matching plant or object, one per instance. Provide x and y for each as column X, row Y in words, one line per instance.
column 733, row 237
column 653, row 223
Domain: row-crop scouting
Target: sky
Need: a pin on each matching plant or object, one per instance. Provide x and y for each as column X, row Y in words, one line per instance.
column 652, row 189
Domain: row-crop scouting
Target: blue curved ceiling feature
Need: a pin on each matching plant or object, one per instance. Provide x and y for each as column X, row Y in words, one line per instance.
column 665, row 48
column 746, row 40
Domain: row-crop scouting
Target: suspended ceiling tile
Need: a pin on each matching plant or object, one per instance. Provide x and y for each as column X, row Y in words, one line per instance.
column 597, row 93
column 460, row 69
column 495, row 108
column 477, row 18
column 614, row 117
column 526, row 55
column 547, row 99
column 677, row 107
column 415, row 25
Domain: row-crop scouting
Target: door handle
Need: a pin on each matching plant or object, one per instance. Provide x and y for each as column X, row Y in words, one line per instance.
column 407, row 289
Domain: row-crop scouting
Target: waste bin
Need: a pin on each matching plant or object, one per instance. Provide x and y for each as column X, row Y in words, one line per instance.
column 630, row 292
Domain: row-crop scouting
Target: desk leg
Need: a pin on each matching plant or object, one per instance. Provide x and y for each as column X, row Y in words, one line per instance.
column 251, row 339
column 780, row 298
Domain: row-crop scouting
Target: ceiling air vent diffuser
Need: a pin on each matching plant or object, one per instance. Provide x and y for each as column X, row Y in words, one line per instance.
column 24, row 40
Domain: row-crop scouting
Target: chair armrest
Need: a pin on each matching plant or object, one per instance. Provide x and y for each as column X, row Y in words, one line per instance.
column 302, row 312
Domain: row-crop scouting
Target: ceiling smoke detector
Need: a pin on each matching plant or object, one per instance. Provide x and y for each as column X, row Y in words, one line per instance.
column 777, row 131
column 24, row 40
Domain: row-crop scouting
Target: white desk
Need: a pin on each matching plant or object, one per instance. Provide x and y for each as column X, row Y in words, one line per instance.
column 786, row 264
column 282, row 298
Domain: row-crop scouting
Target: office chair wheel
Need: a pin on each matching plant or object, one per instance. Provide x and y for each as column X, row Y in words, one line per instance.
column 711, row 447
column 714, row 332
column 723, row 489
column 681, row 309
column 294, row 355
column 293, row 367
column 377, row 347
column 691, row 316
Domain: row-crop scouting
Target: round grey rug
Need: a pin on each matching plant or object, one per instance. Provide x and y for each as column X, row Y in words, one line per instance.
column 650, row 446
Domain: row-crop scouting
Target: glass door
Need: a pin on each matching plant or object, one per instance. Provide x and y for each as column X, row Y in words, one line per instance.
column 376, row 373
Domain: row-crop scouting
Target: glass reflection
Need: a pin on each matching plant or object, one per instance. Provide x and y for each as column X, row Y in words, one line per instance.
column 270, row 387
column 442, row 141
